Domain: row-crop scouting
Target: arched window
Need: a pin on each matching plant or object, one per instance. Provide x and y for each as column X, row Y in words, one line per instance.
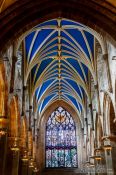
column 61, row 146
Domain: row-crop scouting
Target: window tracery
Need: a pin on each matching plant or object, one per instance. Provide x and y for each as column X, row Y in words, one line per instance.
column 61, row 145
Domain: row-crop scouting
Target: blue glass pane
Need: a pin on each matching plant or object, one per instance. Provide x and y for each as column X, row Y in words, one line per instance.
column 61, row 144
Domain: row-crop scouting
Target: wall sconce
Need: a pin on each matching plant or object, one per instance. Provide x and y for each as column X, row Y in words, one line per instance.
column 31, row 163
column 25, row 156
column 35, row 170
column 107, row 147
column 98, row 158
column 15, row 146
column 2, row 133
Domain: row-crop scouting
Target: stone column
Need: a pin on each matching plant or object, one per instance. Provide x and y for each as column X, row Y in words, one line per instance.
column 3, row 143
column 100, row 160
column 91, row 113
column 14, row 59
column 15, row 157
column 24, row 158
column 30, row 152
column 105, row 57
column 24, row 163
column 86, row 124
column 30, row 116
column 98, row 99
column 35, row 169
column 110, row 154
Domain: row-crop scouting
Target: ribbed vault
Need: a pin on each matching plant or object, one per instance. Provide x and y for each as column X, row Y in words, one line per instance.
column 59, row 60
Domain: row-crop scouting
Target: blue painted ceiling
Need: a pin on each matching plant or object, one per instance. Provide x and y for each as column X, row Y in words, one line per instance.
column 59, row 55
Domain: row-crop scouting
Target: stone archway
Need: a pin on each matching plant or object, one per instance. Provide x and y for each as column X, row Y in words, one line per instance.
column 99, row 133
column 109, row 124
column 42, row 124
column 13, row 136
column 3, row 116
column 14, row 118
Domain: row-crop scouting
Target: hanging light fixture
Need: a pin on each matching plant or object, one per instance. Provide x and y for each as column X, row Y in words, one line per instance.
column 31, row 163
column 107, row 147
column 25, row 156
column 98, row 157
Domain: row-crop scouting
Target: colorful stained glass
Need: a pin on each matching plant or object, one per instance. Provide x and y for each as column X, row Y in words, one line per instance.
column 61, row 143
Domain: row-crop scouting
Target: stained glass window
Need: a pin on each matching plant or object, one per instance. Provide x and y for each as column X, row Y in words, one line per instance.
column 61, row 144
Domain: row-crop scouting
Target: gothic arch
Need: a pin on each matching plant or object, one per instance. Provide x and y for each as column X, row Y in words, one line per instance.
column 14, row 118
column 108, row 116
column 42, row 125
column 3, row 91
column 99, row 133
column 23, row 133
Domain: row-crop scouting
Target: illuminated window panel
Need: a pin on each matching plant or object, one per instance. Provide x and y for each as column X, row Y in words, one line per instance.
column 61, row 144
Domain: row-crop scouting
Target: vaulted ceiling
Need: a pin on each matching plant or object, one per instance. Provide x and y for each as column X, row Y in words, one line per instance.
column 59, row 58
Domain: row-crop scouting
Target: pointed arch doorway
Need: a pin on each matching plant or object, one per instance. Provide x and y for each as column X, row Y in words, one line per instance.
column 61, row 142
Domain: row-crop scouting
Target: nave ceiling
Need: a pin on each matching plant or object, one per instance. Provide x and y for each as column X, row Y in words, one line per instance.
column 59, row 60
